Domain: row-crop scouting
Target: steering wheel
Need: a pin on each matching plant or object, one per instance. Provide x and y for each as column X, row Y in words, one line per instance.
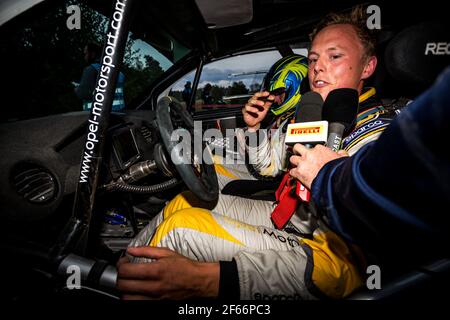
column 193, row 162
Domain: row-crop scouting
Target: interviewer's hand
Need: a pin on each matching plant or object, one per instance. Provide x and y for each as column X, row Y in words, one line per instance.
column 308, row 162
column 169, row 276
column 255, row 110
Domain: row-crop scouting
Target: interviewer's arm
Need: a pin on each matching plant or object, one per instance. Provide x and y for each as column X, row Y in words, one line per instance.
column 393, row 195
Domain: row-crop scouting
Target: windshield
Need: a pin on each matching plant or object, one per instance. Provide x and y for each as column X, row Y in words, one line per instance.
column 46, row 55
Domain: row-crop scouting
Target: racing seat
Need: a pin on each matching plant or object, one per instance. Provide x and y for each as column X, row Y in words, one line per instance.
column 423, row 282
column 411, row 62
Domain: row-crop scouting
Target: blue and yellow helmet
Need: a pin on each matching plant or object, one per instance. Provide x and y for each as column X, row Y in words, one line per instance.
column 287, row 73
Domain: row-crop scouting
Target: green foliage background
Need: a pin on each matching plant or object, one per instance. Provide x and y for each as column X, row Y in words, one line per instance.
column 40, row 57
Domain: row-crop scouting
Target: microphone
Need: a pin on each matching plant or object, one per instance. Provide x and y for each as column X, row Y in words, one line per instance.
column 308, row 128
column 339, row 109
column 309, row 107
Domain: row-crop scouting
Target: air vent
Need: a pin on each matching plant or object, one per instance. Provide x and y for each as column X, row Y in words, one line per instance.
column 34, row 183
column 146, row 133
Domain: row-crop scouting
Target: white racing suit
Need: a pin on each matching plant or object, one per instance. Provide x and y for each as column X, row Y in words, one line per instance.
column 272, row 264
column 305, row 260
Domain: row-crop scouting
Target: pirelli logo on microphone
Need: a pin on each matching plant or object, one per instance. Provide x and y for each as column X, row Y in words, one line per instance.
column 313, row 133
column 307, row 130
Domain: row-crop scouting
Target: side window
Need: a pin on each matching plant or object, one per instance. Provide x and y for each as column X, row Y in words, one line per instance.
column 231, row 81
column 143, row 64
column 45, row 59
column 228, row 82
column 182, row 89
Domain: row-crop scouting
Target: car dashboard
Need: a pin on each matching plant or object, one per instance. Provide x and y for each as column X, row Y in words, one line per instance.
column 42, row 160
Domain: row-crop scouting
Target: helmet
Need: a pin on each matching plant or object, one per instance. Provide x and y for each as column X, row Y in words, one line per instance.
column 287, row 75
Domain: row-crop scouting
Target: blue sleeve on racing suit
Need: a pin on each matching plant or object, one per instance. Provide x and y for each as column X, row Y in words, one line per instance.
column 392, row 197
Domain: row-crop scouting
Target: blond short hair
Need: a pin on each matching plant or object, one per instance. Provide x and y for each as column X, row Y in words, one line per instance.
column 357, row 18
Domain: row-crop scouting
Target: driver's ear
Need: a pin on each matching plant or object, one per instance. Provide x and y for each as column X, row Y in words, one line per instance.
column 369, row 68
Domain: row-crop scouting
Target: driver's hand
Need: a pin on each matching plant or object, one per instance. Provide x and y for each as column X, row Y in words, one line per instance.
column 121, row 261
column 256, row 109
column 169, row 276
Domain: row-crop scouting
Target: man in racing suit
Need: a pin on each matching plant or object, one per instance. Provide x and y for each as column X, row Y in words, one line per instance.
column 236, row 244
column 279, row 101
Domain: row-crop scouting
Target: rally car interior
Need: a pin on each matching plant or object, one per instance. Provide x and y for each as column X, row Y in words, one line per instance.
column 42, row 160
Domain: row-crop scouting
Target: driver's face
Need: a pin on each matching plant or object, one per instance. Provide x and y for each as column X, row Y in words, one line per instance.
column 336, row 60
